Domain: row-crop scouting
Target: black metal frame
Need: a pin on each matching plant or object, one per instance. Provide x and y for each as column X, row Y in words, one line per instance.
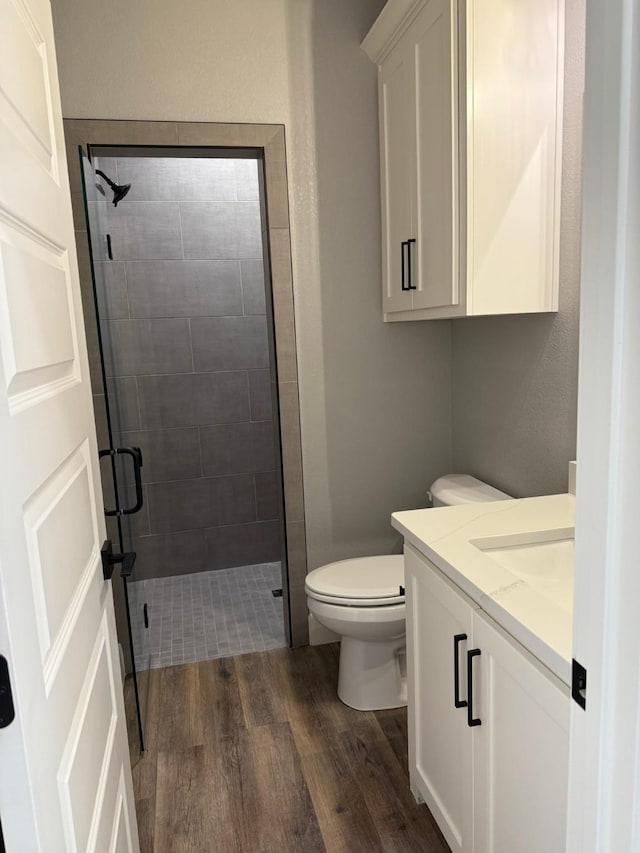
column 111, row 453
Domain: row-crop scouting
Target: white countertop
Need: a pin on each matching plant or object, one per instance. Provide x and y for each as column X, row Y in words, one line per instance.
column 446, row 535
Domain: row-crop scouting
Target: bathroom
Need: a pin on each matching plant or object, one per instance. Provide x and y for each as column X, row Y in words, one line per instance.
column 371, row 413
column 468, row 407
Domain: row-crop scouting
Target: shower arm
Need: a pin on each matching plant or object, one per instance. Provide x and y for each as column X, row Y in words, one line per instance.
column 108, row 180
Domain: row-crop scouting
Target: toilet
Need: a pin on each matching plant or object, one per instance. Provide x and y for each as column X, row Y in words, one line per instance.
column 362, row 601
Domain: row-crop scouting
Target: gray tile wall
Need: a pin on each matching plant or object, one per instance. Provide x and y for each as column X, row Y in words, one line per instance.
column 185, row 323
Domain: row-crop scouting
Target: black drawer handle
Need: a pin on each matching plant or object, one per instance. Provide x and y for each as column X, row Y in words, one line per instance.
column 457, row 701
column 410, row 285
column 403, row 245
column 471, row 721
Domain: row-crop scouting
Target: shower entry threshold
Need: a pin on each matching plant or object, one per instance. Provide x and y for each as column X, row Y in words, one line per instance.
column 209, row 615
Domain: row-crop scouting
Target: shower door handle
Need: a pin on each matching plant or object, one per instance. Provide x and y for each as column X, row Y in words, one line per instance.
column 136, row 455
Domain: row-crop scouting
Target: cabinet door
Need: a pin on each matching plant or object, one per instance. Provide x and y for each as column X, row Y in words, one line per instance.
column 436, row 250
column 514, row 68
column 397, row 159
column 521, row 749
column 440, row 745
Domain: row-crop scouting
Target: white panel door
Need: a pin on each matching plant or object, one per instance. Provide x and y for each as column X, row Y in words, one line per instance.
column 436, row 249
column 65, row 780
column 521, row 749
column 396, row 87
column 440, row 744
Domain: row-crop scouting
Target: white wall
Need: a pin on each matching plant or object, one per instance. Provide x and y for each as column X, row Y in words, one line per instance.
column 375, row 404
column 515, row 378
column 205, row 60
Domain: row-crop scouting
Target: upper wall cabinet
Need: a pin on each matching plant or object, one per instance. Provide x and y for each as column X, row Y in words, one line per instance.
column 470, row 103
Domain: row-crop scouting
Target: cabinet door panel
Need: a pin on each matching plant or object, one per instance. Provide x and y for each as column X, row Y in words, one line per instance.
column 514, row 104
column 434, row 55
column 520, row 750
column 440, row 747
column 396, row 122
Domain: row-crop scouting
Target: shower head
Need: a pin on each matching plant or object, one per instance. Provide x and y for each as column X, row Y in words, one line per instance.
column 119, row 190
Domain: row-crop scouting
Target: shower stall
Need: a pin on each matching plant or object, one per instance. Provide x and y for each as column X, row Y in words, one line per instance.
column 183, row 369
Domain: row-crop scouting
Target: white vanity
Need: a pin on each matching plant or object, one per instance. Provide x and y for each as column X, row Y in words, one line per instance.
column 489, row 609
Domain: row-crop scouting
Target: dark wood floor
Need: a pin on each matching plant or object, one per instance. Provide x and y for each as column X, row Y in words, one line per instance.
column 257, row 754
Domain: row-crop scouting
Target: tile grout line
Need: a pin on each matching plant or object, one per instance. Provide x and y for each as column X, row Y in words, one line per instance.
column 126, row 290
column 193, row 361
column 181, row 231
column 244, row 310
column 138, row 401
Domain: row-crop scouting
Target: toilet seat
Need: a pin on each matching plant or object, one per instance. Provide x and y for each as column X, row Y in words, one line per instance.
column 359, row 582
column 356, row 602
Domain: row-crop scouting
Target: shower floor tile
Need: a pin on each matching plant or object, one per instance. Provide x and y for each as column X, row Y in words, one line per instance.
column 207, row 615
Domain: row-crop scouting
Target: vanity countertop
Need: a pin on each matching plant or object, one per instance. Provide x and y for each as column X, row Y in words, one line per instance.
column 456, row 539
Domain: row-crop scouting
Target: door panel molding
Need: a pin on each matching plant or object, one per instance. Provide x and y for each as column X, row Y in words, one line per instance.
column 56, row 611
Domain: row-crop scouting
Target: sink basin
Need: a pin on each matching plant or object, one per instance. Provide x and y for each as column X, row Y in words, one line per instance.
column 544, row 561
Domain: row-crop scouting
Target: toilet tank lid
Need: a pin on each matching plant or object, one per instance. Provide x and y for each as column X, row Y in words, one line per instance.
column 454, row 489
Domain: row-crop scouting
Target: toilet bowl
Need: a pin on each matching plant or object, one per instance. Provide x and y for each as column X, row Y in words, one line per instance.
column 361, row 600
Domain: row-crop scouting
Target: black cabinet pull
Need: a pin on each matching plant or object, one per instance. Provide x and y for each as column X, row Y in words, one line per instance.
column 471, row 721
column 402, row 248
column 410, row 285
column 457, row 701
column 136, row 455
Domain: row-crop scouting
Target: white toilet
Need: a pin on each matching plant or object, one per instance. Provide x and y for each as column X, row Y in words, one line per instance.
column 362, row 601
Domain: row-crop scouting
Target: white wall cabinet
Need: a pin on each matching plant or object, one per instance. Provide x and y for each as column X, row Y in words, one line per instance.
column 488, row 725
column 416, row 145
column 470, row 106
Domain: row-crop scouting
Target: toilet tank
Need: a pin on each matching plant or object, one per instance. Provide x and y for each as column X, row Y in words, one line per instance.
column 455, row 489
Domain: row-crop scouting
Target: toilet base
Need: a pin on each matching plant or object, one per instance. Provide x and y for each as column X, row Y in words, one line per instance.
column 373, row 675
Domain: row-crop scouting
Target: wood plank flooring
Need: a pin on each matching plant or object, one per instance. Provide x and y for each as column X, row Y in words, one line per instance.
column 257, row 754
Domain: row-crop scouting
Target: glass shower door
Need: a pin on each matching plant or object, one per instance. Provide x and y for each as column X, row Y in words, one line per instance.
column 120, row 463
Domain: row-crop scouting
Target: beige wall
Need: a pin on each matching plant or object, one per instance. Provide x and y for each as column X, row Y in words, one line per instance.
column 375, row 399
column 515, row 378
column 376, row 407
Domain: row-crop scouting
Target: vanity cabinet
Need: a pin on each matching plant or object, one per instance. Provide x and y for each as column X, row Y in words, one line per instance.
column 470, row 116
column 488, row 724
column 440, row 746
